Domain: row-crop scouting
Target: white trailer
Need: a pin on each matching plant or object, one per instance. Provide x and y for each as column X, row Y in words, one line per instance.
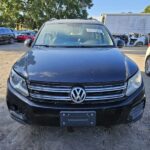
column 127, row 23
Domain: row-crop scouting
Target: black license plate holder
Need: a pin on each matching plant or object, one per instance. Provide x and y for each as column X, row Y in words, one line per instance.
column 77, row 118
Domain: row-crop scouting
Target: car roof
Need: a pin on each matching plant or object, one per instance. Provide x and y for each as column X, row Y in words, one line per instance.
column 85, row 21
column 3, row 28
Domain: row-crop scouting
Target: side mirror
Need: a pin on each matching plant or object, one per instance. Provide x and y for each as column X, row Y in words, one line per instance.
column 28, row 42
column 120, row 44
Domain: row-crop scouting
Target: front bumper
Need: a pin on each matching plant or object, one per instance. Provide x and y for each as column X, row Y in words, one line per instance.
column 25, row 111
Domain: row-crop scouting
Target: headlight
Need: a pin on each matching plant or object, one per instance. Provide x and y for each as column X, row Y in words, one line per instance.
column 134, row 83
column 18, row 83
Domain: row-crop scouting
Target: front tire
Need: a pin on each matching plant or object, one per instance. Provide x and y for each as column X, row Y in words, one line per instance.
column 11, row 41
column 147, row 66
column 139, row 44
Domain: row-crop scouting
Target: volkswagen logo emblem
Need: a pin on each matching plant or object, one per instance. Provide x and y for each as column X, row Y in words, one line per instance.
column 78, row 95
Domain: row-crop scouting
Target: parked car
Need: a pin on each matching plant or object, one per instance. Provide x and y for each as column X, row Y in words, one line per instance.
column 135, row 39
column 132, row 39
column 16, row 33
column 147, row 61
column 6, row 35
column 74, row 75
column 25, row 35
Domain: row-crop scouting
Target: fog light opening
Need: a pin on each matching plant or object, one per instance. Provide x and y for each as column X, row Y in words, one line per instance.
column 13, row 107
column 136, row 112
column 16, row 112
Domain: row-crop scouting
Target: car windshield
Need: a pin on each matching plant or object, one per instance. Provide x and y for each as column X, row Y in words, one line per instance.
column 74, row 35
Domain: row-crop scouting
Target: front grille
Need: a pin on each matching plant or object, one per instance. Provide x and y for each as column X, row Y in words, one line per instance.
column 43, row 92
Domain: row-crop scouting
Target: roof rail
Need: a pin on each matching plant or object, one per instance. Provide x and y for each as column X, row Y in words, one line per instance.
column 95, row 19
column 52, row 19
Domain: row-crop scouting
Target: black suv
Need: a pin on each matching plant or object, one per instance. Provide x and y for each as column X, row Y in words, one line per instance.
column 74, row 75
column 6, row 35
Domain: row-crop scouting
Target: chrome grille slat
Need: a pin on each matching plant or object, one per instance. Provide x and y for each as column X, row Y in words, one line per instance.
column 67, row 98
column 62, row 93
column 95, row 98
column 49, row 89
column 68, row 89
column 107, row 89
column 46, row 97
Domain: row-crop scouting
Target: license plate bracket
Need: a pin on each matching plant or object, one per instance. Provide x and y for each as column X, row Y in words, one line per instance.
column 77, row 118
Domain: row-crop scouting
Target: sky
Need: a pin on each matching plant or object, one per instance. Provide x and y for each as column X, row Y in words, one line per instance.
column 117, row 6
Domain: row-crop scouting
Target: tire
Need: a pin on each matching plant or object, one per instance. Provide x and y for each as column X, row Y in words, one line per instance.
column 139, row 44
column 11, row 41
column 147, row 66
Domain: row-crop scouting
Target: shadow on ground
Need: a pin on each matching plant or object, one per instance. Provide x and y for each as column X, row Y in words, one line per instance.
column 16, row 47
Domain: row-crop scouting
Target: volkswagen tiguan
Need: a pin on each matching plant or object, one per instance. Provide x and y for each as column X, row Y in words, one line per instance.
column 75, row 75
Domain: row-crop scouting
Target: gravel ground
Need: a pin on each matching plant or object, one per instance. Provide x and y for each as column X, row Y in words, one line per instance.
column 14, row 136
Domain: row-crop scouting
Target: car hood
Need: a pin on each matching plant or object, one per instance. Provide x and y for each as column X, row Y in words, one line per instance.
column 76, row 65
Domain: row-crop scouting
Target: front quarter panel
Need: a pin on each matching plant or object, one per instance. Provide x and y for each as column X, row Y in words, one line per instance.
column 147, row 53
column 131, row 67
column 20, row 66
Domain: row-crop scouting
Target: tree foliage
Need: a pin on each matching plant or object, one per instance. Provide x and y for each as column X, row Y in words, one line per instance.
column 147, row 9
column 33, row 13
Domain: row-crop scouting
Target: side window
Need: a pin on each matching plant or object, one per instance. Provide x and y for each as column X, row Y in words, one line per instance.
column 9, row 31
column 4, row 31
column 28, row 34
column 0, row 31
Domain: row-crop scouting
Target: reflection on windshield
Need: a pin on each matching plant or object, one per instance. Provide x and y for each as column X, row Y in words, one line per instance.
column 74, row 35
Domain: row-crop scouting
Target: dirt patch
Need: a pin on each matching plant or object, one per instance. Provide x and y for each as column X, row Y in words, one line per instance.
column 7, row 59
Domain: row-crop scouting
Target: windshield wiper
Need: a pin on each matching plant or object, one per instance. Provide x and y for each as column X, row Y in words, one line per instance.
column 64, row 46
column 52, row 45
column 89, row 46
column 76, row 46
column 44, row 45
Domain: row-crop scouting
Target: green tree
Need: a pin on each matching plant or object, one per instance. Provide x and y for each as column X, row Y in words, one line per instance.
column 9, row 12
column 33, row 13
column 147, row 9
